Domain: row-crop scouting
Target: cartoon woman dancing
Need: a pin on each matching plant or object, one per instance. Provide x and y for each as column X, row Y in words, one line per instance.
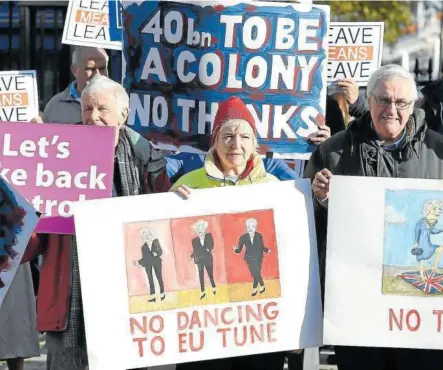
column 423, row 248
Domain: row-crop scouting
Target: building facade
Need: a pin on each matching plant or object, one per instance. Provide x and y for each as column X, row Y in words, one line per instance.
column 419, row 50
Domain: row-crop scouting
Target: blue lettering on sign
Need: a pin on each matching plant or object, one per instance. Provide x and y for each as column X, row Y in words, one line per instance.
column 115, row 20
column 183, row 59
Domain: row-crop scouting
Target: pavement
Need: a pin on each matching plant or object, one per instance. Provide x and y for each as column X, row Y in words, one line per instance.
column 36, row 363
column 39, row 363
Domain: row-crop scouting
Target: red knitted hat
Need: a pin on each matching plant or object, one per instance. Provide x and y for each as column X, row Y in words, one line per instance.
column 233, row 108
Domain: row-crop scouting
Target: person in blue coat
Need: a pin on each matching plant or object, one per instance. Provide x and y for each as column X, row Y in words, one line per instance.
column 424, row 249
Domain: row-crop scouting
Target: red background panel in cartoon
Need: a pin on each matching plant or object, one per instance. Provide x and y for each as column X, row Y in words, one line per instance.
column 234, row 226
column 137, row 278
column 183, row 233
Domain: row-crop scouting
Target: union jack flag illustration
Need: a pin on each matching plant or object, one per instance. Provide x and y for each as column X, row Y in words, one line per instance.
column 433, row 281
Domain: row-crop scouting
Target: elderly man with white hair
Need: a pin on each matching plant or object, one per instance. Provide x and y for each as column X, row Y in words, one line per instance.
column 138, row 169
column 391, row 140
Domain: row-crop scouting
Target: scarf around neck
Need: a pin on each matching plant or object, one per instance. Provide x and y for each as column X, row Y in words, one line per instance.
column 74, row 350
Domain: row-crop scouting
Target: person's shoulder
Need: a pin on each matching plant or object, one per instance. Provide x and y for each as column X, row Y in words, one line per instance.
column 335, row 142
column 192, row 179
column 61, row 96
column 433, row 136
column 433, row 140
column 145, row 151
column 61, row 109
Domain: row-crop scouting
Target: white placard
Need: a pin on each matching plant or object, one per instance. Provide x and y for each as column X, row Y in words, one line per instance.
column 284, row 316
column 18, row 220
column 87, row 24
column 18, row 96
column 355, row 50
column 375, row 295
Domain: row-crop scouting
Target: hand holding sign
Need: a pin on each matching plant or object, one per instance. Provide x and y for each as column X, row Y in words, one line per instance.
column 350, row 89
column 37, row 119
column 323, row 133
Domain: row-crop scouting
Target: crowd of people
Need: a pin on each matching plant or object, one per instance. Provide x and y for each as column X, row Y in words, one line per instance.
column 385, row 135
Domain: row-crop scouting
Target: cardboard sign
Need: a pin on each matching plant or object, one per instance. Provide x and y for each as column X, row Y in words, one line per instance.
column 18, row 96
column 87, row 24
column 387, row 234
column 55, row 165
column 184, row 58
column 17, row 222
column 202, row 278
column 355, row 50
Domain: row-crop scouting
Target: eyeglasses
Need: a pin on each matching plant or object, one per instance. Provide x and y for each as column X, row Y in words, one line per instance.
column 399, row 104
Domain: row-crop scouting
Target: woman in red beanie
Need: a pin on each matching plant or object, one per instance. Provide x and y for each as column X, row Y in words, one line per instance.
column 233, row 157
column 232, row 160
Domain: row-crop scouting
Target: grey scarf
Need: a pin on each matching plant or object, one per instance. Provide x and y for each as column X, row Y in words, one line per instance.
column 127, row 165
column 74, row 350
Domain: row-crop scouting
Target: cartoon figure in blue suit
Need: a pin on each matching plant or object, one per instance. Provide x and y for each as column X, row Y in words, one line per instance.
column 423, row 248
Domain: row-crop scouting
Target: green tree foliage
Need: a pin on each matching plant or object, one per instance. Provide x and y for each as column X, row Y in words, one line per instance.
column 396, row 15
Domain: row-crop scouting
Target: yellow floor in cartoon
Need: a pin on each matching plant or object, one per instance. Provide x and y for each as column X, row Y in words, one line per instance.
column 188, row 298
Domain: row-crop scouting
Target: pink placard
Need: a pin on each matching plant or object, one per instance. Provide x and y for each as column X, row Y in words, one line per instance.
column 53, row 165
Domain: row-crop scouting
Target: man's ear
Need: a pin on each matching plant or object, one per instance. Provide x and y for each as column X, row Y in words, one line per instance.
column 74, row 70
column 124, row 115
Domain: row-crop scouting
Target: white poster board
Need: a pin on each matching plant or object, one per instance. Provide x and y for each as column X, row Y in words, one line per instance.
column 18, row 220
column 374, row 292
column 87, row 24
column 355, row 50
column 182, row 325
column 18, row 96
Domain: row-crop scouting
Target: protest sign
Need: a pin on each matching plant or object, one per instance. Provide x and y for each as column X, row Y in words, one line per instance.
column 189, row 281
column 184, row 58
column 87, row 24
column 18, row 96
column 17, row 222
column 115, row 20
column 355, row 50
column 383, row 230
column 54, row 165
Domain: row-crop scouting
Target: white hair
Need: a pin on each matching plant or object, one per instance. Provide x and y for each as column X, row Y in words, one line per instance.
column 201, row 223
column 431, row 203
column 251, row 221
column 389, row 72
column 100, row 83
column 234, row 125
column 81, row 51
column 148, row 231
